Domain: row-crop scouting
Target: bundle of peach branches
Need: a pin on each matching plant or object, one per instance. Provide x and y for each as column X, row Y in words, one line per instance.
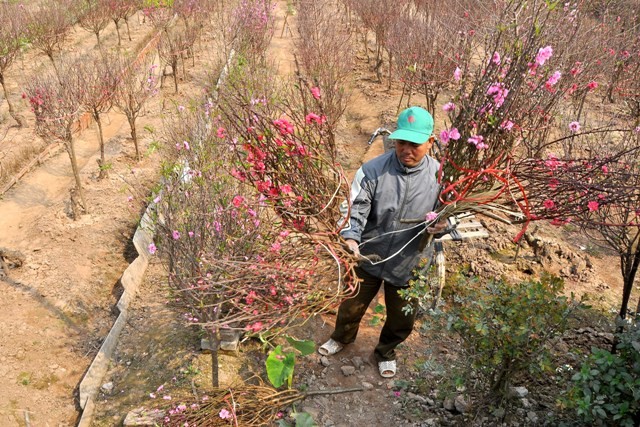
column 240, row 405
column 251, row 221
column 504, row 108
column 279, row 282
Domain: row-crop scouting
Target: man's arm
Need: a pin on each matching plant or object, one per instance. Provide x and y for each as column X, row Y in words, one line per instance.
column 360, row 203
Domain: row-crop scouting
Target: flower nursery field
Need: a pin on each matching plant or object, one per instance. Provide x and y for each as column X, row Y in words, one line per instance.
column 60, row 290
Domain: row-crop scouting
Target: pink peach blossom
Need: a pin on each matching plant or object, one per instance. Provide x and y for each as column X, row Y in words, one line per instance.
column 553, row 79
column 237, row 201
column 507, row 125
column 574, row 127
column 431, row 216
column 457, row 74
column 544, row 54
column 444, row 136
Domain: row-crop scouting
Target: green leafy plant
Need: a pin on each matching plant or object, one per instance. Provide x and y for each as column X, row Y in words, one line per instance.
column 606, row 390
column 24, row 378
column 106, row 166
column 153, row 147
column 280, row 364
column 421, row 287
column 504, row 328
column 378, row 317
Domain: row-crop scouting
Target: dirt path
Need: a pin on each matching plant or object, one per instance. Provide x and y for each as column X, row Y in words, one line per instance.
column 366, row 111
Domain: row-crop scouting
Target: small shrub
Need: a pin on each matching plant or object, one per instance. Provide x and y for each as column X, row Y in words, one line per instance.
column 422, row 288
column 379, row 315
column 24, row 378
column 504, row 328
column 607, row 387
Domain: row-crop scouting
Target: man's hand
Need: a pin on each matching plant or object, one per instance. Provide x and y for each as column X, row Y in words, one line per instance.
column 438, row 227
column 353, row 246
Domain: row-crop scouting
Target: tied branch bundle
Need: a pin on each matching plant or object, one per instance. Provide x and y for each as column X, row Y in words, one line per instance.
column 507, row 106
column 282, row 283
column 248, row 404
column 249, row 211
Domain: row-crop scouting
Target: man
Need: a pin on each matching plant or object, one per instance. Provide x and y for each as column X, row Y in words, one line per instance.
column 398, row 185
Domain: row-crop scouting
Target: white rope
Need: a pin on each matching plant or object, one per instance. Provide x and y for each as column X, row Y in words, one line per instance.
column 424, row 223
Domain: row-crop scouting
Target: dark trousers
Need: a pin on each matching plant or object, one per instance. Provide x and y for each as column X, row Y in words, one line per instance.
column 397, row 326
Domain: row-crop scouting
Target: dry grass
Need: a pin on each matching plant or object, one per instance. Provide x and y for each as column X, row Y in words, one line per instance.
column 13, row 162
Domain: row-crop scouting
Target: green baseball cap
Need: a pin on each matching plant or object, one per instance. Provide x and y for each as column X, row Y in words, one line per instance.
column 415, row 124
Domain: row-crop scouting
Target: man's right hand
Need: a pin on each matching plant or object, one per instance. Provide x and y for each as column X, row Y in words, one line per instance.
column 353, row 246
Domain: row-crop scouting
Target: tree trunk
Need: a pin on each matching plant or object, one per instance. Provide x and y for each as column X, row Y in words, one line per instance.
column 55, row 67
column 390, row 55
column 103, row 170
column 184, row 60
column 629, row 270
column 284, row 25
column 134, row 135
column 117, row 22
column 614, row 79
column 629, row 265
column 126, row 21
column 174, row 66
column 499, row 386
column 404, row 88
column 581, row 106
column 12, row 112
column 70, row 146
column 215, row 344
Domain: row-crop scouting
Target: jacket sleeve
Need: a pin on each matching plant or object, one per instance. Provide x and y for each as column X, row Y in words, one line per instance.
column 361, row 197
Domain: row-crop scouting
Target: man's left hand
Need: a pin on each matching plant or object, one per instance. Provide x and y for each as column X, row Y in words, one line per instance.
column 438, row 227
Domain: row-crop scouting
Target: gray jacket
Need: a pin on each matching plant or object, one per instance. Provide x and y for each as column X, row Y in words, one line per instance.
column 383, row 192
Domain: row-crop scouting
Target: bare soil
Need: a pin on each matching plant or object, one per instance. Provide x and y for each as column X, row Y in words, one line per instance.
column 59, row 305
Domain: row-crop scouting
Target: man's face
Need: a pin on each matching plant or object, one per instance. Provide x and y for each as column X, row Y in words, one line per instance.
column 411, row 154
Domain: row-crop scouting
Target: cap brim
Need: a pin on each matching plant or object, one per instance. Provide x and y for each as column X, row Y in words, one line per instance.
column 409, row 135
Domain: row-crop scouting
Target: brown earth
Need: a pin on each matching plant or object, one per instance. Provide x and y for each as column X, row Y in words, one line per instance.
column 58, row 306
